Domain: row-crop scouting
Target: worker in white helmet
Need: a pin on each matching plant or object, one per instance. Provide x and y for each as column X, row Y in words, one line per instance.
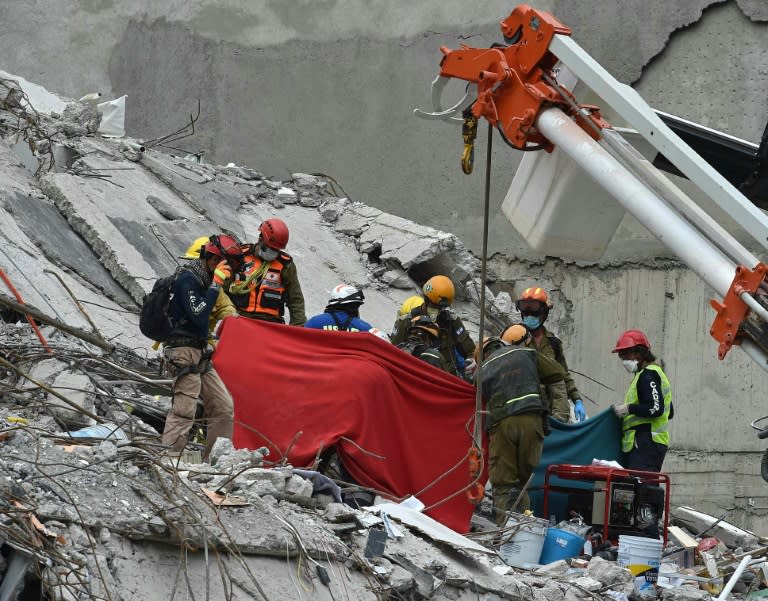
column 342, row 313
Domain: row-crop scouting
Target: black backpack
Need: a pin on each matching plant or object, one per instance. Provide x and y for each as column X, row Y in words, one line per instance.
column 154, row 321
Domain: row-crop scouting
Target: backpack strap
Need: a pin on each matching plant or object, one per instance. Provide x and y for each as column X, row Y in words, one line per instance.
column 342, row 327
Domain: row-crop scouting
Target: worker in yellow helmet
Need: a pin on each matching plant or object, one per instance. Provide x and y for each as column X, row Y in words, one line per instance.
column 437, row 296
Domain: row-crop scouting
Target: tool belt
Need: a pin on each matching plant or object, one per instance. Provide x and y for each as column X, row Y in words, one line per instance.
column 198, row 343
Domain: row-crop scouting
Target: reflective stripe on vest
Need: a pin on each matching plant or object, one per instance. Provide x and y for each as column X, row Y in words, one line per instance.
column 265, row 296
column 658, row 424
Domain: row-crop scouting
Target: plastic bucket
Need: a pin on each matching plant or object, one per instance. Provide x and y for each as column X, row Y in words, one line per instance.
column 560, row 544
column 642, row 557
column 524, row 548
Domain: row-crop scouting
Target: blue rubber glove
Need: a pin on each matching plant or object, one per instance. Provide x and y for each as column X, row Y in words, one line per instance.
column 578, row 410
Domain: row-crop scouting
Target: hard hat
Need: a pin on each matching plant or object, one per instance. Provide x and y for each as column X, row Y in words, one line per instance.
column 533, row 294
column 488, row 341
column 193, row 252
column 631, row 339
column 409, row 304
column 224, row 246
column 345, row 295
column 515, row 334
column 274, row 233
column 439, row 290
column 379, row 334
column 424, row 323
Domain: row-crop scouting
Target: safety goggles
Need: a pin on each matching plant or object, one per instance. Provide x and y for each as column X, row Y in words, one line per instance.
column 531, row 307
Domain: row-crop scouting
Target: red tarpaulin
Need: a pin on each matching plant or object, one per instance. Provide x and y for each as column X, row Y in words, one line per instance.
column 399, row 425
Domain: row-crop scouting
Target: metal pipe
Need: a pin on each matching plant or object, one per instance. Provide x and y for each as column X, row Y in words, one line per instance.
column 664, row 223
column 734, row 578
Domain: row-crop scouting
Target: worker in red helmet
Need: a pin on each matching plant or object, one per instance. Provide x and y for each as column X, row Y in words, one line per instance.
column 456, row 345
column 534, row 307
column 646, row 410
column 647, row 406
column 269, row 281
column 194, row 293
column 517, row 416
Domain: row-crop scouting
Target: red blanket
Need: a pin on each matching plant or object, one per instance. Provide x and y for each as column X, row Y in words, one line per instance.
column 399, row 425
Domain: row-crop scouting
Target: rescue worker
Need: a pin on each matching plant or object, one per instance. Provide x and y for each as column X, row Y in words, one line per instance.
column 517, row 420
column 456, row 345
column 193, row 295
column 424, row 342
column 268, row 282
column 645, row 415
column 342, row 311
column 534, row 307
column 647, row 406
column 223, row 306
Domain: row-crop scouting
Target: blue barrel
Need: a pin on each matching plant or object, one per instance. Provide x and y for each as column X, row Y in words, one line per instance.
column 560, row 544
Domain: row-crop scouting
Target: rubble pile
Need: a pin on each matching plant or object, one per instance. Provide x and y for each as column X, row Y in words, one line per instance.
column 93, row 507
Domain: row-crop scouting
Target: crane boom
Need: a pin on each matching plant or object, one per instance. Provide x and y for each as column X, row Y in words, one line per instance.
column 519, row 94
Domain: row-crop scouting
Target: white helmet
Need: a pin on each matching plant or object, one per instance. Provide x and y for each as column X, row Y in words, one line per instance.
column 345, row 296
column 379, row 334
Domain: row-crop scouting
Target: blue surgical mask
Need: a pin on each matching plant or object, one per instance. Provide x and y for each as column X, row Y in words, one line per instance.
column 532, row 322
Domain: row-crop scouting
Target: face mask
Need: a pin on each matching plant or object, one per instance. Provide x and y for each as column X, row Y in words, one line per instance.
column 532, row 322
column 268, row 254
column 630, row 365
column 433, row 312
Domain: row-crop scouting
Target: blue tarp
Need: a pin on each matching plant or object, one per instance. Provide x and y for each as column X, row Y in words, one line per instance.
column 596, row 438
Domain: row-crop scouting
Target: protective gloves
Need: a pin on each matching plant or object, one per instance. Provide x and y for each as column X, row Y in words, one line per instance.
column 470, row 369
column 221, row 274
column 620, row 409
column 578, row 410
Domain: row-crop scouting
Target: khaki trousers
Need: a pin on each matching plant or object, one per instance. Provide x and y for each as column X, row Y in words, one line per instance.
column 218, row 409
column 514, row 452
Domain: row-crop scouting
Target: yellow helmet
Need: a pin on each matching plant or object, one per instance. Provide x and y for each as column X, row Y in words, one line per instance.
column 515, row 334
column 193, row 252
column 409, row 304
column 439, row 290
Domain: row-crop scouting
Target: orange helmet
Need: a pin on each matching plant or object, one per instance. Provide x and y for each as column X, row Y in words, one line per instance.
column 530, row 299
column 274, row 233
column 631, row 339
column 515, row 334
column 439, row 290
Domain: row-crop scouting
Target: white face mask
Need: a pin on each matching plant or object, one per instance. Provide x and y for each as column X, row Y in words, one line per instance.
column 433, row 312
column 630, row 365
column 268, row 254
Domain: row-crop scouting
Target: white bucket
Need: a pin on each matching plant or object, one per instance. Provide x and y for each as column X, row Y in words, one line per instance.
column 642, row 557
column 524, row 548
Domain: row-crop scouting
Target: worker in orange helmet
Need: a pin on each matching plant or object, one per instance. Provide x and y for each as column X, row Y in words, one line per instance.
column 194, row 293
column 269, row 281
column 646, row 410
column 534, row 307
column 456, row 345
column 517, row 415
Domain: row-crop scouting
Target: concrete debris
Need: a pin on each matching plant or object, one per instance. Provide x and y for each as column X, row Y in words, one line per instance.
column 95, row 508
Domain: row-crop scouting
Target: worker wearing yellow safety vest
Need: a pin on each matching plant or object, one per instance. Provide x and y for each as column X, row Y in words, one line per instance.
column 647, row 406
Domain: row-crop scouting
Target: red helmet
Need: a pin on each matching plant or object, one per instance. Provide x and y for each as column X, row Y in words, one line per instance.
column 631, row 339
column 223, row 246
column 274, row 233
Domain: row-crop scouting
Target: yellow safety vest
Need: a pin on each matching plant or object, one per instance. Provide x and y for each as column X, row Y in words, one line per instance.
column 658, row 424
